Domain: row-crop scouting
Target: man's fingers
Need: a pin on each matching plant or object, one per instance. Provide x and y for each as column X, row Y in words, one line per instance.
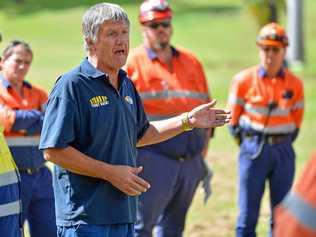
column 132, row 192
column 142, row 183
column 137, row 170
column 221, row 111
column 138, row 179
column 137, row 186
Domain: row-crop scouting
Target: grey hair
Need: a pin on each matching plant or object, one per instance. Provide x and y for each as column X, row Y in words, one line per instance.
column 96, row 15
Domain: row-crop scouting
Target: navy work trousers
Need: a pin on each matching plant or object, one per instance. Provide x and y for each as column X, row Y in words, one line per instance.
column 116, row 230
column 275, row 164
column 165, row 204
column 38, row 206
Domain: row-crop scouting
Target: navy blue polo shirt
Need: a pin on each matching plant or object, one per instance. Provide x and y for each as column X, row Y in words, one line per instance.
column 84, row 111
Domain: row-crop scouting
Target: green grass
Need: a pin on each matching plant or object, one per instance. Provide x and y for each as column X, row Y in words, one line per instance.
column 220, row 32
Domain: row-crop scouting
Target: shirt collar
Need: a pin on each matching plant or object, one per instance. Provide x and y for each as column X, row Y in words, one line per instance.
column 89, row 70
column 152, row 55
column 6, row 84
column 262, row 73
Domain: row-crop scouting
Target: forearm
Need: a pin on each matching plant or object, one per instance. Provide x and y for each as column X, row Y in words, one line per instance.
column 203, row 116
column 75, row 161
column 162, row 130
column 27, row 119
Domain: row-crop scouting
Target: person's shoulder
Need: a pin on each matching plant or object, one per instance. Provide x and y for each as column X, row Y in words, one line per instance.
column 69, row 77
column 136, row 57
column 66, row 83
column 184, row 52
column 245, row 74
column 292, row 77
column 139, row 51
column 38, row 89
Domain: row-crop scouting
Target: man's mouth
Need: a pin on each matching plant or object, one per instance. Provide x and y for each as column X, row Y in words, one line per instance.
column 119, row 52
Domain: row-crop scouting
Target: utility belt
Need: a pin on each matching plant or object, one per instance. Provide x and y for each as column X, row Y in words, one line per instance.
column 271, row 139
column 31, row 171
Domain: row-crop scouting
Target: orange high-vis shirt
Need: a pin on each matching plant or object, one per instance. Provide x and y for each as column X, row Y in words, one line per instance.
column 296, row 216
column 10, row 100
column 166, row 92
column 250, row 98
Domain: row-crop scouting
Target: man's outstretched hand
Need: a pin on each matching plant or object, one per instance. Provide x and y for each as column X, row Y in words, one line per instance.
column 205, row 116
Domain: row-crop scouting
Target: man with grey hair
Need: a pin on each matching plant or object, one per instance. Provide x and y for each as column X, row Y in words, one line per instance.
column 93, row 122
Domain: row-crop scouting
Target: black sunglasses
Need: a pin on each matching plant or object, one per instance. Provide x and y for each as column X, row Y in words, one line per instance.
column 155, row 25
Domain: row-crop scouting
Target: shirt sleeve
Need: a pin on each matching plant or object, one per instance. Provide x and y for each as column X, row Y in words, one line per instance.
column 236, row 101
column 59, row 127
column 7, row 116
column 298, row 108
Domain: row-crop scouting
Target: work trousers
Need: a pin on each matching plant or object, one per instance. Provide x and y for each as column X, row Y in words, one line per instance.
column 116, row 230
column 165, row 204
column 275, row 164
column 38, row 203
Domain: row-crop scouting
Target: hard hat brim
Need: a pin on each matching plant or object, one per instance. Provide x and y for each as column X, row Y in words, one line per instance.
column 271, row 43
column 155, row 15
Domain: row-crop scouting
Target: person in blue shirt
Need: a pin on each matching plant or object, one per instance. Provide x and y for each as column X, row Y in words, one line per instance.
column 93, row 123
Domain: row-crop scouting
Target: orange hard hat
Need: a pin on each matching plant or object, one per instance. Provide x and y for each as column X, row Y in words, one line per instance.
column 272, row 34
column 154, row 10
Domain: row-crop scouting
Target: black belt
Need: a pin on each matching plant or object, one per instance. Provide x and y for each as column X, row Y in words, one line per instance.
column 271, row 139
column 30, row 171
column 276, row 139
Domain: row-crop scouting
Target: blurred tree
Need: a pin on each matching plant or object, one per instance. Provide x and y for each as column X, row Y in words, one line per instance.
column 265, row 11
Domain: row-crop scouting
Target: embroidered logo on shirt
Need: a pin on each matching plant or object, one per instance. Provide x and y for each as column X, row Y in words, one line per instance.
column 129, row 99
column 98, row 101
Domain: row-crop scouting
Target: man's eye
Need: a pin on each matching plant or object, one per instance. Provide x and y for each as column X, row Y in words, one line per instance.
column 112, row 33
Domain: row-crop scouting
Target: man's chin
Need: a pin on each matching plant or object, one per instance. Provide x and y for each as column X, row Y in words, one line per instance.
column 120, row 62
column 161, row 46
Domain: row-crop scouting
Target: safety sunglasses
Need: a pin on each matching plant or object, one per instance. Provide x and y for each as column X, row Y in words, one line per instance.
column 266, row 49
column 155, row 25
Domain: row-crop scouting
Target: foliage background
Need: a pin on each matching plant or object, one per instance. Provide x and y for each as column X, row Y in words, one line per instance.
column 220, row 32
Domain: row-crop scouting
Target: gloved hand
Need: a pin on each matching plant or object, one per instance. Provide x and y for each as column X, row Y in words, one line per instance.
column 206, row 181
column 236, row 133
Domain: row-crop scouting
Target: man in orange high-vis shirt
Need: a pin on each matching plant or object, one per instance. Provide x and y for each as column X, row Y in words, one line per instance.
column 296, row 215
column 267, row 103
column 170, row 81
column 21, row 115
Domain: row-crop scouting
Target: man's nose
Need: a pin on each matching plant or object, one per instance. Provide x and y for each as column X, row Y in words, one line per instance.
column 22, row 66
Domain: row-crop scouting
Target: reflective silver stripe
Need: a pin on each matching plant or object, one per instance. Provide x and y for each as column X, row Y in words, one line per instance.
column 23, row 141
column 245, row 122
column 265, row 111
column 8, row 178
column 298, row 105
column 301, row 210
column 158, row 117
column 10, row 208
column 233, row 100
column 173, row 94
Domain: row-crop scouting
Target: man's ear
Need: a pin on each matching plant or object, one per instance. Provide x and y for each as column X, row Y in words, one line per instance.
column 90, row 43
